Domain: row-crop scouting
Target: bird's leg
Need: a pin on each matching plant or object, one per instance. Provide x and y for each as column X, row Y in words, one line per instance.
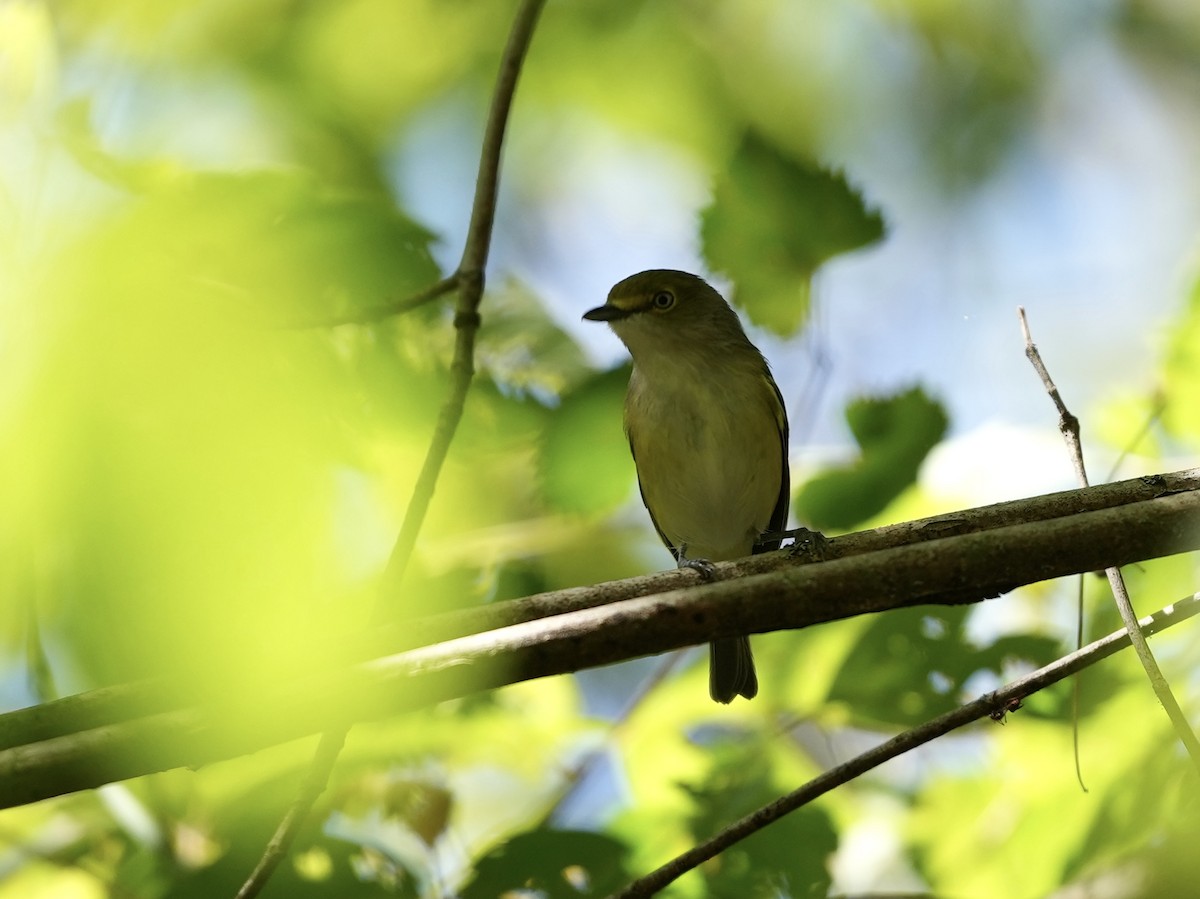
column 702, row 567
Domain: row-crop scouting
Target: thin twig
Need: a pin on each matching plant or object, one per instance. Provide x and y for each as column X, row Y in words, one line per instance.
column 469, row 279
column 1157, row 407
column 1077, row 688
column 575, row 775
column 374, row 314
column 38, row 668
column 313, row 785
column 1069, row 425
column 992, row 703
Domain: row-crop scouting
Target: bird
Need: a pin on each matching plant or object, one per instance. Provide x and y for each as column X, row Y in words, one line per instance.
column 708, row 431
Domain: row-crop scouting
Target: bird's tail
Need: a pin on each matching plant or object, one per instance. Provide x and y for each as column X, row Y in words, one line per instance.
column 731, row 669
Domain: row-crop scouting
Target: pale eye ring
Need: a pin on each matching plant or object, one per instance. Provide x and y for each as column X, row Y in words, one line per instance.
column 664, row 299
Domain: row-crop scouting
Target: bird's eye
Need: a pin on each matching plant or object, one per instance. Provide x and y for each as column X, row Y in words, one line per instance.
column 664, row 299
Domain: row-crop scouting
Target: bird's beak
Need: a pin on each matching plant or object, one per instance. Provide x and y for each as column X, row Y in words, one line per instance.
column 605, row 313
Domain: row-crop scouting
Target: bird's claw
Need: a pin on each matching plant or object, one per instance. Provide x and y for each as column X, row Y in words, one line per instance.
column 706, row 569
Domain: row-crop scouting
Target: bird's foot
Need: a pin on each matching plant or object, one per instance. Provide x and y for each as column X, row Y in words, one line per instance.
column 706, row 569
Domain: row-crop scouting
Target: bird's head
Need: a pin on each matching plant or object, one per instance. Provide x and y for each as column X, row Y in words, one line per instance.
column 659, row 310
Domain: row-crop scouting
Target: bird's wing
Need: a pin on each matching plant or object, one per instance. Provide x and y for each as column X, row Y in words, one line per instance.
column 779, row 515
column 642, row 493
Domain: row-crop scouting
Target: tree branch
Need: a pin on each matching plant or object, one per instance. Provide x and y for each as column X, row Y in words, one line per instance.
column 991, row 704
column 1069, row 425
column 469, row 279
column 109, row 705
column 947, row 570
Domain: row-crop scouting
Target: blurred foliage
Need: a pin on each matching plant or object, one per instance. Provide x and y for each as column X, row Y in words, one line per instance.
column 772, row 222
column 895, row 434
column 583, row 427
column 789, row 858
column 554, row 864
column 196, row 479
column 931, row 653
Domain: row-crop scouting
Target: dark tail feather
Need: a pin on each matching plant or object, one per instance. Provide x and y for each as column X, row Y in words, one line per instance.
column 731, row 669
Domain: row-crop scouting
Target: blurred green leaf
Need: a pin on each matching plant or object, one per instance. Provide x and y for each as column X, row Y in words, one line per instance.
column 190, row 485
column 1182, row 376
column 585, row 461
column 283, row 248
column 789, row 858
column 772, row 221
column 910, row 665
column 556, row 864
column 523, row 349
column 1014, row 822
column 895, row 434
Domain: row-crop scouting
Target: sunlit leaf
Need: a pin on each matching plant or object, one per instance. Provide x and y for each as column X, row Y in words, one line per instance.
column 585, row 462
column 280, row 247
column 1182, row 377
column 773, row 220
column 895, row 434
column 1016, row 822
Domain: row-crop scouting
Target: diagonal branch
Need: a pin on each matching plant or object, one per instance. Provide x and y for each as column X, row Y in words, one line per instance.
column 991, row 704
column 1069, row 425
column 469, row 279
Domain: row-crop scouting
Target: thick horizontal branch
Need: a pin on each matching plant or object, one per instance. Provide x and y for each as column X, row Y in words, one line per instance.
column 109, row 705
column 54, row 758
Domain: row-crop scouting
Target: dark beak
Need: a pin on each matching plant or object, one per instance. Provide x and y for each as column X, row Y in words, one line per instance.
column 605, row 313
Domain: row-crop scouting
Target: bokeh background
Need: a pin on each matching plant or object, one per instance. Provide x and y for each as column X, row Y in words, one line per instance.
column 197, row 482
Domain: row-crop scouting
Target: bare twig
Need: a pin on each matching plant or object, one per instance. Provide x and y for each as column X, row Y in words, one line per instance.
column 578, row 773
column 469, row 279
column 990, row 704
column 39, row 671
column 386, row 310
column 1157, row 406
column 313, row 785
column 1076, row 689
column 1068, row 424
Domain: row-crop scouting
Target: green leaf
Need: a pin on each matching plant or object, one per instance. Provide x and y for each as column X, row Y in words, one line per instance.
column 772, row 221
column 585, row 461
column 895, row 434
column 912, row 664
column 788, row 858
column 1181, row 377
column 555, row 864
column 279, row 246
column 522, row 347
column 319, row 865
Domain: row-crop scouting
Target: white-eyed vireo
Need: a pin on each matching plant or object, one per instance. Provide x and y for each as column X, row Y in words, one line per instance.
column 708, row 432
